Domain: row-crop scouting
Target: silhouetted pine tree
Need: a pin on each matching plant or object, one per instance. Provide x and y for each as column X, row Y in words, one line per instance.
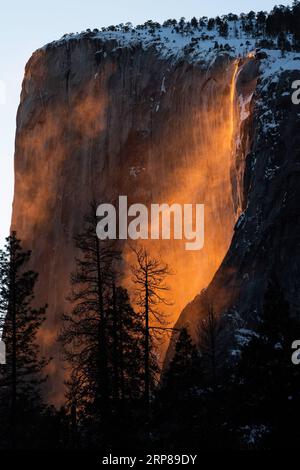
column 178, row 406
column 149, row 275
column 185, row 370
column 211, row 24
column 21, row 404
column 84, row 335
column 102, row 343
column 295, row 22
column 126, row 349
column 126, row 368
column 194, row 22
column 211, row 345
column 261, row 22
column 223, row 28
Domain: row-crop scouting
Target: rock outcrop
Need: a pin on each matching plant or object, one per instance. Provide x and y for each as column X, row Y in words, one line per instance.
column 165, row 118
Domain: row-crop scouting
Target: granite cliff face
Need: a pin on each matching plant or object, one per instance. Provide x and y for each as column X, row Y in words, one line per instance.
column 97, row 121
column 102, row 115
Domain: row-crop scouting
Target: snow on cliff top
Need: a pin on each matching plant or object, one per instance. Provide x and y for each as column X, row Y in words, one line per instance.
column 276, row 63
column 195, row 44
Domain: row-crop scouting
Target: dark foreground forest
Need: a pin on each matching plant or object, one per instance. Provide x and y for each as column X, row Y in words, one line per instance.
column 210, row 396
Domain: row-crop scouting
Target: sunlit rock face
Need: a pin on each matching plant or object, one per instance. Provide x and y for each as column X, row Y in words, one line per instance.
column 97, row 121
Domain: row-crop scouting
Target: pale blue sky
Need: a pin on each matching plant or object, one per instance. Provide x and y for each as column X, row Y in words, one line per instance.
column 25, row 26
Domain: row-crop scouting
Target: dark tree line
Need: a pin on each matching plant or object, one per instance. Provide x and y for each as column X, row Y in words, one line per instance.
column 205, row 402
column 204, row 399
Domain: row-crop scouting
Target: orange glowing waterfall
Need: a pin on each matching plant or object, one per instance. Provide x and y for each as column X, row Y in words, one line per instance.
column 232, row 96
column 240, row 109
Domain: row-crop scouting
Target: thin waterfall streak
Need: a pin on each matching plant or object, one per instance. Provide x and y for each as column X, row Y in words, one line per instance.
column 232, row 98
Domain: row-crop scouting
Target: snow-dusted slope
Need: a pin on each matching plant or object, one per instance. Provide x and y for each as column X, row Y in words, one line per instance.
column 197, row 44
